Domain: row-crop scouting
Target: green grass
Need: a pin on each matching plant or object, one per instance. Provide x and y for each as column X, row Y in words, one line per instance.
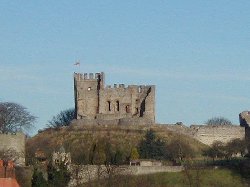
column 194, row 178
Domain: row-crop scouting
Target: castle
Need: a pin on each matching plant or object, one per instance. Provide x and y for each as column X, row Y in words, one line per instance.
column 94, row 100
column 97, row 104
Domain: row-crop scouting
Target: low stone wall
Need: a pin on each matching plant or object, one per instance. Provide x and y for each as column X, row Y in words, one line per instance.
column 85, row 173
column 143, row 170
column 135, row 121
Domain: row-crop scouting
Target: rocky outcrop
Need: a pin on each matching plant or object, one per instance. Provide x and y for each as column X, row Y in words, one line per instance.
column 244, row 119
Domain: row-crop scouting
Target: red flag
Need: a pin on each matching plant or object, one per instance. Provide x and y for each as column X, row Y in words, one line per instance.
column 77, row 64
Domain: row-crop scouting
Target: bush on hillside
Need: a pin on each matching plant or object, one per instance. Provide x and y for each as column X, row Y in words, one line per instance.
column 152, row 147
column 179, row 150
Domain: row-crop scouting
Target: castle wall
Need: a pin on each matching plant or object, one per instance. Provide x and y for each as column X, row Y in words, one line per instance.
column 130, row 101
column 223, row 133
column 208, row 134
column 150, row 104
column 15, row 143
column 113, row 101
column 107, row 121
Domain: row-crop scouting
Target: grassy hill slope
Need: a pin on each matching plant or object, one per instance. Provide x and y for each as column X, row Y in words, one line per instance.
column 80, row 138
column 204, row 178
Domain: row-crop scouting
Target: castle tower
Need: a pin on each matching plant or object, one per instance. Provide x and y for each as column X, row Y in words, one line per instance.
column 87, row 88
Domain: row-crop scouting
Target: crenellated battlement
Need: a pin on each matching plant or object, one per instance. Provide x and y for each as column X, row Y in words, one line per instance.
column 87, row 76
column 116, row 86
column 139, row 88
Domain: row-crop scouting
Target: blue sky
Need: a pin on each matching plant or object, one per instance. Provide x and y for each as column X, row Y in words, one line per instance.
column 197, row 53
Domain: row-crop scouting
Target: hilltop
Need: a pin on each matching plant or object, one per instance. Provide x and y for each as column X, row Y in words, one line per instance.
column 81, row 138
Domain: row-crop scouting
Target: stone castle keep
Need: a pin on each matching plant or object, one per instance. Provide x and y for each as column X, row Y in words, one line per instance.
column 95, row 100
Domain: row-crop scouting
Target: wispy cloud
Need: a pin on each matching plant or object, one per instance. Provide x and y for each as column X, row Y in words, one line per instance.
column 220, row 97
column 16, row 73
column 25, row 78
column 31, row 78
column 176, row 75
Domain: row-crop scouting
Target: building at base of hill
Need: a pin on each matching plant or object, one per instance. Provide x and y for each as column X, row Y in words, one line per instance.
column 8, row 182
column 12, row 147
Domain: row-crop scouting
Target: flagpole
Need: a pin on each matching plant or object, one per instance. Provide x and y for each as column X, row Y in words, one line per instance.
column 79, row 66
column 77, row 63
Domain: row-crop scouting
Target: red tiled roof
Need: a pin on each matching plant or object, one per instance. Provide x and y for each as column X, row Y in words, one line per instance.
column 8, row 182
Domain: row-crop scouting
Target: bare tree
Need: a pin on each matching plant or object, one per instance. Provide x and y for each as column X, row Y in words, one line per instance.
column 178, row 150
column 15, row 117
column 217, row 150
column 235, row 147
column 218, row 121
column 62, row 119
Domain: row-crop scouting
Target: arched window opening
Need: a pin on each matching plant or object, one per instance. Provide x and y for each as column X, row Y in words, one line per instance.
column 136, row 110
column 128, row 109
column 117, row 106
column 109, row 106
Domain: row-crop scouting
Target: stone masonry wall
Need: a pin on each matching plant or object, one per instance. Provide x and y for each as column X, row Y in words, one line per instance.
column 106, row 122
column 15, row 143
column 207, row 134
column 224, row 133
column 85, row 173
